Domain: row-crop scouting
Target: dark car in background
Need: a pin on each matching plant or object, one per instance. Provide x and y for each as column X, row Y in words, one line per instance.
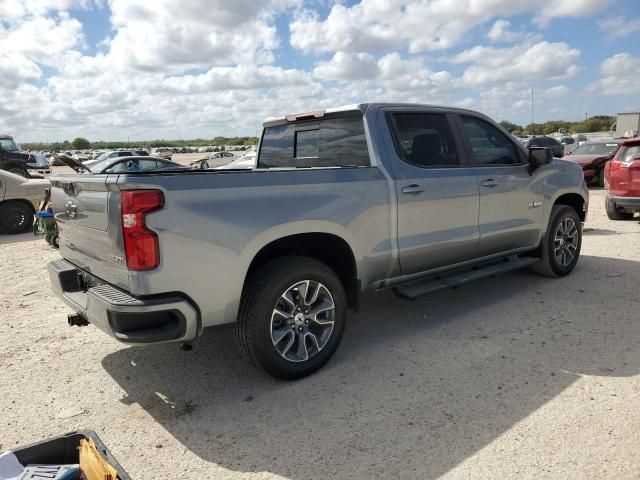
column 557, row 149
column 134, row 164
column 592, row 157
column 114, row 154
column 21, row 163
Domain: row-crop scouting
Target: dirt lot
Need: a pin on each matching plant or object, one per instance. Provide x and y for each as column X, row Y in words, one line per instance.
column 512, row 377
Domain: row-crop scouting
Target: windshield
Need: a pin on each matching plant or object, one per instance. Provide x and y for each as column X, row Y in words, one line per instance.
column 98, row 165
column 104, row 156
column 8, row 145
column 595, row 149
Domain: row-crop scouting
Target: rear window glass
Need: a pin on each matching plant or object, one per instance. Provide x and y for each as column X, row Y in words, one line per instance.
column 332, row 142
column 595, row 149
column 307, row 143
column 627, row 154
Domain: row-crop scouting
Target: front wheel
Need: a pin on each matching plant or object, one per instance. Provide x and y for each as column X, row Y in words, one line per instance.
column 292, row 317
column 560, row 247
column 15, row 217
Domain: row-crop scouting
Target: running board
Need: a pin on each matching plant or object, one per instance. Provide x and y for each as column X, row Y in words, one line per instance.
column 415, row 289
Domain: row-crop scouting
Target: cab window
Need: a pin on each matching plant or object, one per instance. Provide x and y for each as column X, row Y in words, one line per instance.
column 489, row 145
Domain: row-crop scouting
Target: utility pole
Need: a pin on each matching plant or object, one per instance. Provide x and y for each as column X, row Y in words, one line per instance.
column 532, row 103
column 586, row 116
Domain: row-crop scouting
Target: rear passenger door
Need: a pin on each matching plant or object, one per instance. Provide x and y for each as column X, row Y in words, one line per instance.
column 436, row 191
column 510, row 205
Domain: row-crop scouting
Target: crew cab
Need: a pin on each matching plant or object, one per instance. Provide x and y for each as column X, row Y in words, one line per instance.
column 622, row 181
column 21, row 163
column 364, row 197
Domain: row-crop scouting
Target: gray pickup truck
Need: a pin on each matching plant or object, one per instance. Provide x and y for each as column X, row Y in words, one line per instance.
column 365, row 197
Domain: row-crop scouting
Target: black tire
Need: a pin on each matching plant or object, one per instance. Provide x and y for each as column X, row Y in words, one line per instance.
column 55, row 241
column 261, row 295
column 47, row 238
column 615, row 213
column 600, row 174
column 19, row 171
column 15, row 217
column 549, row 265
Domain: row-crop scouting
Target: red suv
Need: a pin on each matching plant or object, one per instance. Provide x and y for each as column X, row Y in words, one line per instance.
column 622, row 180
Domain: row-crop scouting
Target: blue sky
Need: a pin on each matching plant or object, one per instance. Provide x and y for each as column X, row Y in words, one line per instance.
column 198, row 68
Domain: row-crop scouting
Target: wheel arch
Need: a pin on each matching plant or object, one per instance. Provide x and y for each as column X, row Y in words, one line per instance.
column 575, row 201
column 19, row 200
column 328, row 248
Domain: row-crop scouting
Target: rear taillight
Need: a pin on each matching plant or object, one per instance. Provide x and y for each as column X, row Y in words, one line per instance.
column 615, row 164
column 140, row 244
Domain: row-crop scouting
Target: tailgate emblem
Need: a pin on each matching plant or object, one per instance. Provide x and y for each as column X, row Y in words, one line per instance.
column 117, row 259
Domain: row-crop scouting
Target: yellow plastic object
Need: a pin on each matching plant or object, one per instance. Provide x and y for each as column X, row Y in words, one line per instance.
column 93, row 466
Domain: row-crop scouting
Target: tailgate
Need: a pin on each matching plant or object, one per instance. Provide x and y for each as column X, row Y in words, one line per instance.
column 87, row 211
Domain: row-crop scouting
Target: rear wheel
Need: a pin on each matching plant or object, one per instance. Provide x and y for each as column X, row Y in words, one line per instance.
column 600, row 174
column 15, row 217
column 614, row 212
column 560, row 248
column 292, row 317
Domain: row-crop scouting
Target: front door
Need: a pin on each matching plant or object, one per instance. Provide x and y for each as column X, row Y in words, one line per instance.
column 437, row 194
column 510, row 204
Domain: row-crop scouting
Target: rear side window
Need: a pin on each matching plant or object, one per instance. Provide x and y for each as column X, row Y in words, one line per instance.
column 423, row 139
column 331, row 142
column 276, row 149
column 489, row 145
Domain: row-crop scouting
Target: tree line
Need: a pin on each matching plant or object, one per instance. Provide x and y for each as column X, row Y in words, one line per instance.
column 84, row 144
column 597, row 123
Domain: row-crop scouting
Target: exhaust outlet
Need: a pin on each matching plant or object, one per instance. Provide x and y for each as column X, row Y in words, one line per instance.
column 77, row 320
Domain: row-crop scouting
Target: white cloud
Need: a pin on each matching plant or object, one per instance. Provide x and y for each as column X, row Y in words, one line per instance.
column 619, row 26
column 619, row 75
column 13, row 10
column 348, row 66
column 542, row 60
column 240, row 77
column 42, row 39
column 500, row 32
column 208, row 67
column 556, row 92
column 420, row 25
column 163, row 35
column 16, row 69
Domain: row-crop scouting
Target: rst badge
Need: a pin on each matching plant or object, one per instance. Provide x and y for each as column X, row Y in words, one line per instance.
column 535, row 204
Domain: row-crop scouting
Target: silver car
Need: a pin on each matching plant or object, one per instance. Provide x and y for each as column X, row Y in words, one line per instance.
column 19, row 200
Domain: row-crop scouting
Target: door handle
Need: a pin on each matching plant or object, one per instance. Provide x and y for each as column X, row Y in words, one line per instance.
column 415, row 188
column 490, row 183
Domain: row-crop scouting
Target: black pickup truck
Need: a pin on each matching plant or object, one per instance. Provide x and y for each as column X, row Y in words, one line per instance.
column 21, row 163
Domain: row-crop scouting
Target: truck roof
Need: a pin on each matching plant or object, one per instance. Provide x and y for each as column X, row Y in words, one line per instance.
column 361, row 107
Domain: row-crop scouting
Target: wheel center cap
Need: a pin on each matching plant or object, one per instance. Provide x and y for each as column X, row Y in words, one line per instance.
column 298, row 319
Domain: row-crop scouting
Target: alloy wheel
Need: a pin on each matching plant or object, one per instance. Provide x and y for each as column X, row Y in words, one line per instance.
column 302, row 321
column 565, row 242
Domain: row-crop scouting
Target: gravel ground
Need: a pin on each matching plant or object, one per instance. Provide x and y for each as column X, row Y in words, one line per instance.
column 513, row 377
